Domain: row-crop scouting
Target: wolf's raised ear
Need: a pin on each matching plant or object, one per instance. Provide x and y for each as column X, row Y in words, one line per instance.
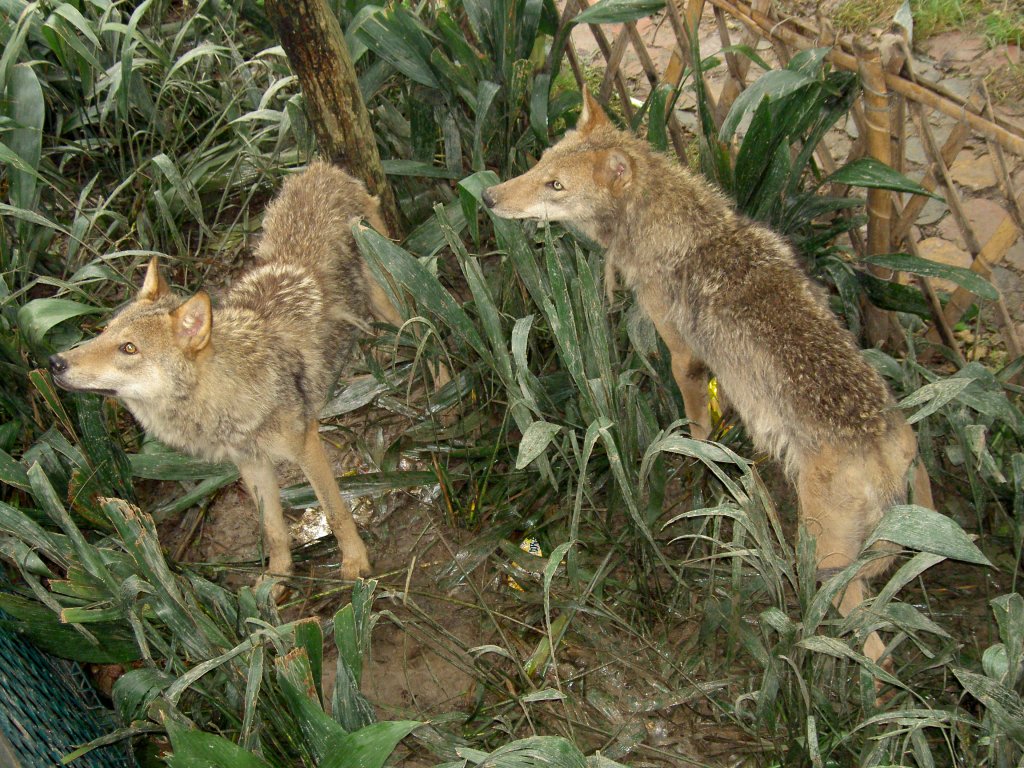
column 193, row 322
column 614, row 169
column 592, row 115
column 154, row 286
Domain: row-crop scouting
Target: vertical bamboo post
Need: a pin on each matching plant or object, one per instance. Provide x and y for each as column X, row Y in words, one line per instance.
column 311, row 37
column 739, row 66
column 879, row 325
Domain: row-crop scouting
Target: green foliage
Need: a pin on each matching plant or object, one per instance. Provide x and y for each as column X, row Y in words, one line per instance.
column 207, row 656
column 458, row 87
column 774, row 177
column 128, row 130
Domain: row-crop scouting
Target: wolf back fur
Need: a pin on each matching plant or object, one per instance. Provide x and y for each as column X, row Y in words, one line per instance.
column 246, row 382
column 726, row 293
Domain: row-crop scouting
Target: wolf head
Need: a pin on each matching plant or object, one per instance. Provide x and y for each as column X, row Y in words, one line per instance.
column 579, row 181
column 141, row 354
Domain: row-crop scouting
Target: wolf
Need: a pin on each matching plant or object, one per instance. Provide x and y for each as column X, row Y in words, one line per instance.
column 245, row 382
column 727, row 294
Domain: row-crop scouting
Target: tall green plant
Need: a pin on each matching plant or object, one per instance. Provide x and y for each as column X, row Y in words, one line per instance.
column 459, row 87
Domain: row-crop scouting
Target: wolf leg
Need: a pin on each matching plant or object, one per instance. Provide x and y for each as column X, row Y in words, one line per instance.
column 922, row 486
column 920, row 483
column 687, row 369
column 261, row 481
column 830, row 487
column 314, row 463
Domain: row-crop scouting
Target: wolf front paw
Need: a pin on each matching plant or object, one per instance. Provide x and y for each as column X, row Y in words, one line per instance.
column 355, row 566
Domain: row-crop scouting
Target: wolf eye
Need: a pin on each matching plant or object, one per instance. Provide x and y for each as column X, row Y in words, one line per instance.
column 556, row 185
column 128, row 348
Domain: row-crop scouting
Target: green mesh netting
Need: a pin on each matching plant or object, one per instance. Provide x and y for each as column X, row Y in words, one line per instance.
column 47, row 708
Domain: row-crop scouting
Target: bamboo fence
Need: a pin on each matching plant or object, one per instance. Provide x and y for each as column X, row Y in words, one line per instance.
column 891, row 91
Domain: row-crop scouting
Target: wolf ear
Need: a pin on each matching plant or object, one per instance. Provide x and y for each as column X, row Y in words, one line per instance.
column 193, row 321
column 614, row 169
column 592, row 115
column 154, row 286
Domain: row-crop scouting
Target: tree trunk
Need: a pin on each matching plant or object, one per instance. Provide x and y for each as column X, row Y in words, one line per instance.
column 313, row 40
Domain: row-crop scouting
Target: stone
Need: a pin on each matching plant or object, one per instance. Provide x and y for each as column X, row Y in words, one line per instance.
column 932, row 212
column 944, row 252
column 1008, row 282
column 958, row 87
column 924, row 69
column 839, row 145
column 1014, row 257
column 851, row 127
column 955, row 48
column 913, row 151
column 973, row 172
column 983, row 215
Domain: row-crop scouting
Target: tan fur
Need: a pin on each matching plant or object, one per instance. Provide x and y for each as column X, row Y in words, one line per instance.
column 246, row 382
column 727, row 293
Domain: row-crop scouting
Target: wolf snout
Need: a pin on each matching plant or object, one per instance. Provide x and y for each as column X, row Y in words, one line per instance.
column 487, row 197
column 58, row 364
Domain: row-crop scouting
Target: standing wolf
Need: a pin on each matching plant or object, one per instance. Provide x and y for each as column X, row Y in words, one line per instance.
column 246, row 382
column 727, row 293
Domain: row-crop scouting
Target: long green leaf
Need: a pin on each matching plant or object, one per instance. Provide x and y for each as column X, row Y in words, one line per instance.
column 1005, row 706
column 197, row 749
column 368, row 747
column 966, row 278
column 618, row 11
column 869, row 172
column 38, row 316
column 413, row 277
column 26, row 108
column 927, row 531
column 398, row 38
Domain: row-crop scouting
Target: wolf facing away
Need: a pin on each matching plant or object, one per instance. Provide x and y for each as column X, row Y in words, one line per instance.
column 246, row 382
column 727, row 294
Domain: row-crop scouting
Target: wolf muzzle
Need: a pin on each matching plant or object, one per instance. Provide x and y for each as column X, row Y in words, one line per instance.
column 58, row 365
column 487, row 197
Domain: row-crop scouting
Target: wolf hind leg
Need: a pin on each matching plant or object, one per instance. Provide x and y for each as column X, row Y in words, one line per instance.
column 921, row 485
column 838, row 509
column 261, row 481
column 314, row 463
column 908, row 462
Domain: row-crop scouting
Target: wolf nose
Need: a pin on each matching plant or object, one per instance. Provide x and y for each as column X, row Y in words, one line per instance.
column 58, row 364
column 487, row 197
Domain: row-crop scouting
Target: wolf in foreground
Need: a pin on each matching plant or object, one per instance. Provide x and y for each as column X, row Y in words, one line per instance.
column 727, row 294
column 245, row 383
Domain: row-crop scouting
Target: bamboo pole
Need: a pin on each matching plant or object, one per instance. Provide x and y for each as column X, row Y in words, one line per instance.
column 942, row 326
column 612, row 64
column 739, row 66
column 606, row 51
column 681, row 27
column 878, row 324
column 939, row 166
column 992, row 253
column 675, row 131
